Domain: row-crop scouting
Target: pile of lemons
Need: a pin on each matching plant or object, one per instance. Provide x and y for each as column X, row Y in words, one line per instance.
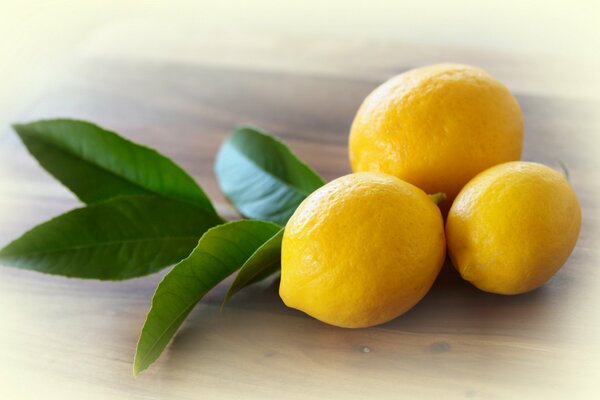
column 366, row 247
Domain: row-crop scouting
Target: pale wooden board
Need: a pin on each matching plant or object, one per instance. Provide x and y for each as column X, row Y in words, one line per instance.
column 76, row 338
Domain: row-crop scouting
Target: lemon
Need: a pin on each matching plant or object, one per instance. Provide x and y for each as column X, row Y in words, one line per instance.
column 361, row 250
column 437, row 127
column 512, row 227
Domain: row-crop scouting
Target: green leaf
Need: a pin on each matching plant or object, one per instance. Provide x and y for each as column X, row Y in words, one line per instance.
column 97, row 164
column 261, row 177
column 265, row 261
column 220, row 252
column 122, row 238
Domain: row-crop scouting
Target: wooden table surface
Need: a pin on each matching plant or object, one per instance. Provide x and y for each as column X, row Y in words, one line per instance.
column 182, row 94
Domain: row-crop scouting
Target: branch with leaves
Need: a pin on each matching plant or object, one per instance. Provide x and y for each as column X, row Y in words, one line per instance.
column 143, row 213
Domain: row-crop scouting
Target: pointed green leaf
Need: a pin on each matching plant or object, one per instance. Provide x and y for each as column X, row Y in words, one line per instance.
column 97, row 164
column 261, row 177
column 265, row 261
column 220, row 252
column 122, row 238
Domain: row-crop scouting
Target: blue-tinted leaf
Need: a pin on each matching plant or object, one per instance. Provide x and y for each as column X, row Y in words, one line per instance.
column 261, row 177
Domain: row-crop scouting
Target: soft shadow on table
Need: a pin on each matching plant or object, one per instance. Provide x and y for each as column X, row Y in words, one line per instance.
column 453, row 319
column 449, row 304
column 449, row 297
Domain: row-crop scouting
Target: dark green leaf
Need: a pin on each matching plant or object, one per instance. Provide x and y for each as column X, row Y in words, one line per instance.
column 220, row 252
column 122, row 238
column 265, row 261
column 97, row 164
column 261, row 177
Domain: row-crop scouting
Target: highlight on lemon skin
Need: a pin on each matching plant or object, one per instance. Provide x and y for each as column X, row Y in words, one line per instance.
column 437, row 127
column 513, row 227
column 361, row 250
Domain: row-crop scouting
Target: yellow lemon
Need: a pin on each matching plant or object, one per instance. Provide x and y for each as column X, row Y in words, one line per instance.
column 512, row 227
column 437, row 127
column 361, row 250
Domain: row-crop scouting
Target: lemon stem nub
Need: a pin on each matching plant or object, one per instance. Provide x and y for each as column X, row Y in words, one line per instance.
column 438, row 197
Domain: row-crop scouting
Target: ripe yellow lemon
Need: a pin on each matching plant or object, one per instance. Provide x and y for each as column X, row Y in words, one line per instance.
column 437, row 127
column 512, row 227
column 361, row 250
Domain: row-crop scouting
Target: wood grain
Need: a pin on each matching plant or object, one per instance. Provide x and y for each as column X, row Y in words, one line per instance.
column 75, row 339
